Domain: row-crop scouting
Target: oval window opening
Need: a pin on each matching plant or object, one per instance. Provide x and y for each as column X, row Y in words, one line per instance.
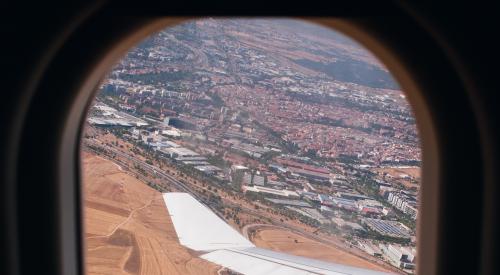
column 250, row 146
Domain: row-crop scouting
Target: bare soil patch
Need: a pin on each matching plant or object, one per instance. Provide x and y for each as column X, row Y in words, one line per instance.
column 127, row 226
column 289, row 242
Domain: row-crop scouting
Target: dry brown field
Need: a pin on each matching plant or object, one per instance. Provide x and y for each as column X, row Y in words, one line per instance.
column 127, row 226
column 414, row 172
column 289, row 242
column 396, row 172
column 128, row 229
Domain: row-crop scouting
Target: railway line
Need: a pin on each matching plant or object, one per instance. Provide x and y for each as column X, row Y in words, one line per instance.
column 154, row 171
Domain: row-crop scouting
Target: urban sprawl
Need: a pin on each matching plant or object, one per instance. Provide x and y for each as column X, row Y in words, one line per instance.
column 270, row 123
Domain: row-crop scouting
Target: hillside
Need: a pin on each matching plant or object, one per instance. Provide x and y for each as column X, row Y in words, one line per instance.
column 127, row 226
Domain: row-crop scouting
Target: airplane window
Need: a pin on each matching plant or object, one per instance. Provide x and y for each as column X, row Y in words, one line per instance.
column 250, row 146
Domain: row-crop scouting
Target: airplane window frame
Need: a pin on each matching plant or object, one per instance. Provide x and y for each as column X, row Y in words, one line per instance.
column 98, row 57
column 352, row 30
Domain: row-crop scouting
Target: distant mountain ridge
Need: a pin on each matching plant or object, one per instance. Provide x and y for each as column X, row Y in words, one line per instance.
column 354, row 71
column 346, row 67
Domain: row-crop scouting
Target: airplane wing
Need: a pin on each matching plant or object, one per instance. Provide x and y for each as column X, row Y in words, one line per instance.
column 200, row 229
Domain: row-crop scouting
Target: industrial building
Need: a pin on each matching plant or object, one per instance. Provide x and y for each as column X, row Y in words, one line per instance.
column 404, row 202
column 350, row 226
column 178, row 152
column 260, row 189
column 208, row 169
column 311, row 213
column 370, row 248
column 402, row 257
column 392, row 229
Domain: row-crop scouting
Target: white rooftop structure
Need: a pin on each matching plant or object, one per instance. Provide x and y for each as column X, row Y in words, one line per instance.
column 239, row 167
column 172, row 132
column 179, row 151
column 258, row 189
column 111, row 117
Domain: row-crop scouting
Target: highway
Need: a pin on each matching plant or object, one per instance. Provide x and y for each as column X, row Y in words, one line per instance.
column 158, row 173
column 148, row 168
column 151, row 169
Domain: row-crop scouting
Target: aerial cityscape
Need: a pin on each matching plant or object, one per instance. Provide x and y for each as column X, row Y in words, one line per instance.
column 294, row 135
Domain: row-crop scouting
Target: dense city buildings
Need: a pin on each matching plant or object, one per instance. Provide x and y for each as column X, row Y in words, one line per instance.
column 278, row 117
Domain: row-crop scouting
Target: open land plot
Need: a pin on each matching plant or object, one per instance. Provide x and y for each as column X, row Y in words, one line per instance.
column 399, row 173
column 289, row 242
column 396, row 172
column 127, row 226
